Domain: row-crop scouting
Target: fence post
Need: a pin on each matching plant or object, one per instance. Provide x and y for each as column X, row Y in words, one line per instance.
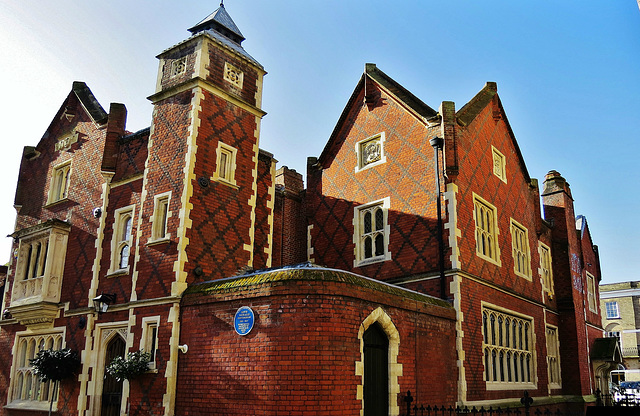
column 526, row 401
column 408, row 400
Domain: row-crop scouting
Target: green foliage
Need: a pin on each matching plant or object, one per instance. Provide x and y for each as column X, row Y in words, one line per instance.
column 55, row 365
column 135, row 364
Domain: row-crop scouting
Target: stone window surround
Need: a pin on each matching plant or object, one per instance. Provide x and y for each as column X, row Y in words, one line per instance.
column 233, row 75
column 358, row 231
column 159, row 221
column 546, row 269
column 117, row 244
column 490, row 231
column 591, row 292
column 359, row 146
column 520, row 249
column 529, row 349
column 499, row 164
column 225, row 155
column 24, row 348
column 178, row 67
column 149, row 338
column 60, row 180
column 553, row 357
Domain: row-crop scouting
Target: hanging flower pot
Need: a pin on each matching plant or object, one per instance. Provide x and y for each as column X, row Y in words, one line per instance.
column 135, row 364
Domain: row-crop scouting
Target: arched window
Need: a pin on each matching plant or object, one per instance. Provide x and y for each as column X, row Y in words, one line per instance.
column 125, row 237
column 122, row 240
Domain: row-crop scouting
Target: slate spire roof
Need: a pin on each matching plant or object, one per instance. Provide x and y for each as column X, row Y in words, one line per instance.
column 220, row 21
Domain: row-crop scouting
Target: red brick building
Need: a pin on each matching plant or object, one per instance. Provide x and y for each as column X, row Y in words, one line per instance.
column 423, row 260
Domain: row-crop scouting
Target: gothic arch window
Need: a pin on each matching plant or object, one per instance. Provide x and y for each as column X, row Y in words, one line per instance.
column 122, row 240
column 27, row 391
column 379, row 346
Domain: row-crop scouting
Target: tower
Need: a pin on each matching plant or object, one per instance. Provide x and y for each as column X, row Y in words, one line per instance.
column 201, row 178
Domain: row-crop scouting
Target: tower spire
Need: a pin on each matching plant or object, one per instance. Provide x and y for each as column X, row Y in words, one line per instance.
column 220, row 21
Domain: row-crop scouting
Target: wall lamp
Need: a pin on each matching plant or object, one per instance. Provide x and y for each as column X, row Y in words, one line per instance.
column 101, row 303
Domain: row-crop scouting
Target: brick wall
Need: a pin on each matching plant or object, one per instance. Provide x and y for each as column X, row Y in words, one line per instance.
column 290, row 227
column 407, row 178
column 300, row 356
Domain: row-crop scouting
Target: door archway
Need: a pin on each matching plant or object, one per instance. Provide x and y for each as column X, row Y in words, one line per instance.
column 112, row 388
column 376, row 372
column 383, row 342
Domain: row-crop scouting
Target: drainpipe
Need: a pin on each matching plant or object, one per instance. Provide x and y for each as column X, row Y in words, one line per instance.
column 437, row 144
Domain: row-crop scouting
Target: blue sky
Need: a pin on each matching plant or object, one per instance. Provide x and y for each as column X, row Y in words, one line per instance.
column 568, row 75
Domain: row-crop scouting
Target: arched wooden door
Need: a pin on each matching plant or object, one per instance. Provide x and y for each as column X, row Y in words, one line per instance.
column 112, row 388
column 376, row 372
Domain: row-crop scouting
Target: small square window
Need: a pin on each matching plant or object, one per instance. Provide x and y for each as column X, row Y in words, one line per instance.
column 370, row 152
column 499, row 165
column 60, row 176
column 226, row 164
column 160, row 217
column 233, row 75
column 178, row 66
column 520, row 250
column 612, row 310
column 371, row 233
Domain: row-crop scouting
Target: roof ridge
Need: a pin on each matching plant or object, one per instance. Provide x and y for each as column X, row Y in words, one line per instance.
column 89, row 101
column 470, row 110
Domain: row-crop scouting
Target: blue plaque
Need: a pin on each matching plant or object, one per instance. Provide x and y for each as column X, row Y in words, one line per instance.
column 244, row 320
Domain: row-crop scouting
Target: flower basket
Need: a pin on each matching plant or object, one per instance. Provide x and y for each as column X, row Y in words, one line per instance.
column 135, row 364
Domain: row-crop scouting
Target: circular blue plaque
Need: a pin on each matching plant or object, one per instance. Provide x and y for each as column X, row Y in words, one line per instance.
column 243, row 321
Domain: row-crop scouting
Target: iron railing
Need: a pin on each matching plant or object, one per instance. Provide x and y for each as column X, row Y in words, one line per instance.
column 415, row 409
column 630, row 351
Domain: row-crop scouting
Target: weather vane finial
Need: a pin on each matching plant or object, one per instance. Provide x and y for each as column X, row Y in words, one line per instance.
column 221, row 3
